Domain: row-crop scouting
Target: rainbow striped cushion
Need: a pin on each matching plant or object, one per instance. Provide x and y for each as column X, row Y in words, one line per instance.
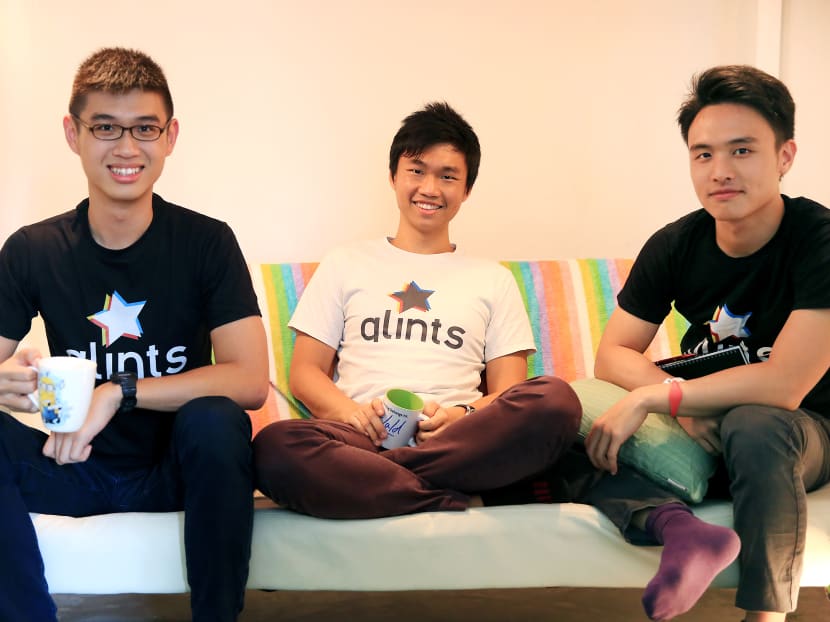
column 568, row 301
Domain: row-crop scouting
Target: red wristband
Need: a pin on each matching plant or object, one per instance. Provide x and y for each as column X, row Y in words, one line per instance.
column 675, row 396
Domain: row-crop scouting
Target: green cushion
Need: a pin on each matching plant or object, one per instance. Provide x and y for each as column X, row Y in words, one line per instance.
column 661, row 450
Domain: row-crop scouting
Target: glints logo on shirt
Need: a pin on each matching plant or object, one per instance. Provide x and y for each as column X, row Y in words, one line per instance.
column 117, row 319
column 725, row 324
column 411, row 297
column 727, row 328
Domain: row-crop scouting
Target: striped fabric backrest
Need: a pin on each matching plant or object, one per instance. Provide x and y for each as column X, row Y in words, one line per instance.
column 568, row 302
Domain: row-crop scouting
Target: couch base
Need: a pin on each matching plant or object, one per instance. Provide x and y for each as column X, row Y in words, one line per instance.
column 555, row 604
column 500, row 547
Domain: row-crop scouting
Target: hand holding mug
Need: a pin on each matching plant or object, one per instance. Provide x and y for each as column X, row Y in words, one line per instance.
column 18, row 380
column 69, row 447
column 64, row 391
column 367, row 419
column 435, row 419
column 402, row 412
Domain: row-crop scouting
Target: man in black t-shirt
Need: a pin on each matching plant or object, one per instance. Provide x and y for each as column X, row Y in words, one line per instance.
column 751, row 267
column 161, row 299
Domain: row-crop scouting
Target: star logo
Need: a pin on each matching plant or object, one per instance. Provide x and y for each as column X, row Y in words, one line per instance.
column 725, row 324
column 118, row 318
column 412, row 297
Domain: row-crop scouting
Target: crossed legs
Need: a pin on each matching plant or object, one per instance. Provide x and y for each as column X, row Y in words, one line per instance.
column 330, row 470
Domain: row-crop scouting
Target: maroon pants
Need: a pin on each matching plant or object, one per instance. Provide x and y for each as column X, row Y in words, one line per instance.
column 330, row 470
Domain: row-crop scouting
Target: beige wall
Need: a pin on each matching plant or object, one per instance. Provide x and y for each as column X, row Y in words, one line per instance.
column 287, row 109
column 805, row 65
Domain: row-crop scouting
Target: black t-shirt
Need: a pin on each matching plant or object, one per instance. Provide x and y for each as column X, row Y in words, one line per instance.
column 746, row 299
column 148, row 308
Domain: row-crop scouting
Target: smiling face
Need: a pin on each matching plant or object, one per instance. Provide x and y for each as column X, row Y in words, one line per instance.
column 736, row 166
column 122, row 171
column 430, row 188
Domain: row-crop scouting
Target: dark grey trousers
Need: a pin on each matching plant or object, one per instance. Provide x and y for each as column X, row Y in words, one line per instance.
column 771, row 459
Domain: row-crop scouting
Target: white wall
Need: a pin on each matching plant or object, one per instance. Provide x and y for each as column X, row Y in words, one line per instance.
column 805, row 66
column 288, row 108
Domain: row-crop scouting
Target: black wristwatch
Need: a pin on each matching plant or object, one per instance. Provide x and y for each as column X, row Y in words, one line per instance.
column 127, row 380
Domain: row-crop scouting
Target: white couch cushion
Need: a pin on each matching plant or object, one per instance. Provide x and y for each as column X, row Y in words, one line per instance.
column 500, row 547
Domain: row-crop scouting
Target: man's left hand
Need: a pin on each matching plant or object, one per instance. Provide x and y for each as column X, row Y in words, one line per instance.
column 439, row 417
column 71, row 447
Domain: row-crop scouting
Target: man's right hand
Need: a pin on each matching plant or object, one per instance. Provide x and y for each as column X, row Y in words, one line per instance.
column 18, row 379
column 367, row 418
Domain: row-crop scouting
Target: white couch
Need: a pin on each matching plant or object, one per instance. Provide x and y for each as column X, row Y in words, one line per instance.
column 500, row 547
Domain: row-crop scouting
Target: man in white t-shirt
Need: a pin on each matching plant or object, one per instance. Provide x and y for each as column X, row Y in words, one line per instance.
column 411, row 311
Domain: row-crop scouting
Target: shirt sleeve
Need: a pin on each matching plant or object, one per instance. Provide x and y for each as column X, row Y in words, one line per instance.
column 17, row 303
column 648, row 293
column 509, row 329
column 320, row 309
column 812, row 269
column 229, row 291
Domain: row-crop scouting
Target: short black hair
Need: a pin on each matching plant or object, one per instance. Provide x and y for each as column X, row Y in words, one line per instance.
column 744, row 85
column 118, row 71
column 436, row 124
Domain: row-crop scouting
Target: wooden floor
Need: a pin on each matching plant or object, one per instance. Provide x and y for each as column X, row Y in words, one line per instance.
column 532, row 605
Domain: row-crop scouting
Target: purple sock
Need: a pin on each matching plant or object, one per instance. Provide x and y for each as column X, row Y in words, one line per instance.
column 694, row 552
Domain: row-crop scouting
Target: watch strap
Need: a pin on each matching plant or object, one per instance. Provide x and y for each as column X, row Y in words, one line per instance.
column 127, row 382
column 468, row 410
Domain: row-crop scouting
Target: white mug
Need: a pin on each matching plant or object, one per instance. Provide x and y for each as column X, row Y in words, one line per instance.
column 64, row 391
column 402, row 411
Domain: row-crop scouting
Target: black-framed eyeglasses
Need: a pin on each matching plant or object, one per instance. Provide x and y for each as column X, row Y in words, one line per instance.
column 112, row 131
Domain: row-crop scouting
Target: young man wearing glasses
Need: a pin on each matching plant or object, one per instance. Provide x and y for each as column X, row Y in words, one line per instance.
column 149, row 291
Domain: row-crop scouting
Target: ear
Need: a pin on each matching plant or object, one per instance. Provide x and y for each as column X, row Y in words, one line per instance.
column 786, row 155
column 392, row 180
column 70, row 131
column 172, row 132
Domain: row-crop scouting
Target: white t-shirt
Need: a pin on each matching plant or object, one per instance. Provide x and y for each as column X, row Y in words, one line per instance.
column 426, row 323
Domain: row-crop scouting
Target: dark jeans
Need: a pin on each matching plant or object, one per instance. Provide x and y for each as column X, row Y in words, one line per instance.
column 772, row 458
column 330, row 470
column 207, row 472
